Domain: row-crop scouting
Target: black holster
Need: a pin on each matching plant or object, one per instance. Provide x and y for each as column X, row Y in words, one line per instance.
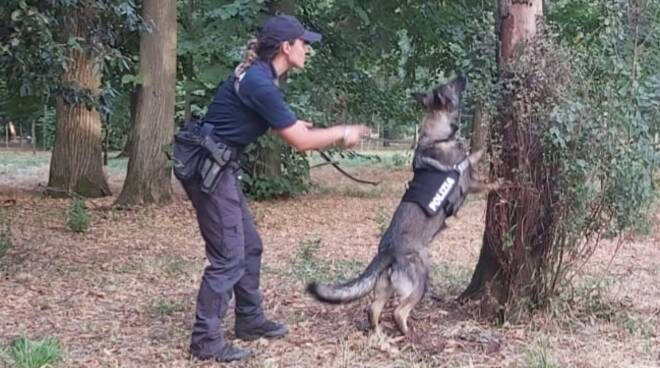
column 195, row 152
column 214, row 164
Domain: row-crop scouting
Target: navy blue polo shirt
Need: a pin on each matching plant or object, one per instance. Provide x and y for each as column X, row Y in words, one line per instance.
column 240, row 120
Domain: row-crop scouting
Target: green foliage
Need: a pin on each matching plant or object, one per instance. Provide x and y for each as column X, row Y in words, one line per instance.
column 211, row 38
column 293, row 176
column 5, row 233
column 352, row 75
column 400, row 160
column 35, row 50
column 28, row 353
column 603, row 136
column 78, row 218
column 585, row 124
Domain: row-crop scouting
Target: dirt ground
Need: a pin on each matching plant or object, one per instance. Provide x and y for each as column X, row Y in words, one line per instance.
column 122, row 294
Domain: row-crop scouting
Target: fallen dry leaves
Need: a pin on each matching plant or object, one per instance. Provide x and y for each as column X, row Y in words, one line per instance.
column 122, row 294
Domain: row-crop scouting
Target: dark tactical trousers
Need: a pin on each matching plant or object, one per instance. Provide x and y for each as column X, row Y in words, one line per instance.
column 233, row 248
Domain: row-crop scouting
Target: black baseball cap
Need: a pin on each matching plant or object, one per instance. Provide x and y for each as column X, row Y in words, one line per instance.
column 280, row 28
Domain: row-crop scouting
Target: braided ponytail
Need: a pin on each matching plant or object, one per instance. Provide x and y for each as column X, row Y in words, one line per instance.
column 250, row 56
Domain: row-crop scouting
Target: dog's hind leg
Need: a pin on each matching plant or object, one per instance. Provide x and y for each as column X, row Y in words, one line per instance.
column 410, row 285
column 402, row 311
column 382, row 294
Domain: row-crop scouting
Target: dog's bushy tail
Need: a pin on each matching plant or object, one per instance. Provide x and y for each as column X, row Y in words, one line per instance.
column 353, row 289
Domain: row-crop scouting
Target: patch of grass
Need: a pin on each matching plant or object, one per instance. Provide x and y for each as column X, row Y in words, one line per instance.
column 307, row 267
column 117, row 165
column 4, row 357
column 382, row 221
column 354, row 191
column 345, row 269
column 349, row 353
column 450, row 279
column 15, row 161
column 538, row 356
column 164, row 308
column 383, row 159
column 592, row 301
column 27, row 353
column 5, row 233
column 362, row 191
column 399, row 160
column 78, row 218
column 176, row 267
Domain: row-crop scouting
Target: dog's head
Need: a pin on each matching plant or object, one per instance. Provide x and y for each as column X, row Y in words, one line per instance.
column 442, row 107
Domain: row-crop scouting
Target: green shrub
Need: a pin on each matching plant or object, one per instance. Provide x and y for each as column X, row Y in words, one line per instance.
column 78, row 218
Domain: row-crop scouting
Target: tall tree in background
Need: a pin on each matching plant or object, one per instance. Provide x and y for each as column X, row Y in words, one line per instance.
column 76, row 163
column 149, row 177
column 60, row 50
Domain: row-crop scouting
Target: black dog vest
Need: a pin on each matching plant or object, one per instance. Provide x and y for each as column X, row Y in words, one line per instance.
column 431, row 189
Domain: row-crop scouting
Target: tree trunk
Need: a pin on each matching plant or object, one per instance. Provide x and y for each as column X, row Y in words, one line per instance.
column 509, row 261
column 148, row 179
column 76, row 164
column 126, row 151
column 34, row 137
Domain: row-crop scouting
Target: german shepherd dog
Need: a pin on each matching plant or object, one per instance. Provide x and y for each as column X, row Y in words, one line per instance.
column 401, row 265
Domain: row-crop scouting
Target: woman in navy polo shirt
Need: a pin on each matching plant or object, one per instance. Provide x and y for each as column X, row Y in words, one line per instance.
column 245, row 107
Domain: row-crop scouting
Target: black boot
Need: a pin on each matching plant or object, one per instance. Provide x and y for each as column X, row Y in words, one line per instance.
column 228, row 353
column 268, row 329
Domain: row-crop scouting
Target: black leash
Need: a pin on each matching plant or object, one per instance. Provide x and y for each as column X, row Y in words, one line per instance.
column 336, row 166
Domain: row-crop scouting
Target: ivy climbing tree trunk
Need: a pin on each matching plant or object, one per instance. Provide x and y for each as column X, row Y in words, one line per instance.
column 148, row 179
column 77, row 162
column 479, row 136
column 518, row 217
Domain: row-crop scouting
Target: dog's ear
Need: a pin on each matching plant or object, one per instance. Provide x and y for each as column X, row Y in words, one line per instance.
column 420, row 97
column 459, row 83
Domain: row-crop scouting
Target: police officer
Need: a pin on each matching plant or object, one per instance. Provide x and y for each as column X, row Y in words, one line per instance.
column 245, row 106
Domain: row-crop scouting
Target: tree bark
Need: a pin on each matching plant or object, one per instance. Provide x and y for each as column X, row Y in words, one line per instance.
column 34, row 137
column 148, row 179
column 133, row 101
column 479, row 137
column 505, row 263
column 76, row 164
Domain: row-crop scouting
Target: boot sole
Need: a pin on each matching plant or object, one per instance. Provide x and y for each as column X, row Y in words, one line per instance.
column 271, row 336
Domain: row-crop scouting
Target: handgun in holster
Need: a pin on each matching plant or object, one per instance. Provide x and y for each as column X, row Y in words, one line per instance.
column 214, row 164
